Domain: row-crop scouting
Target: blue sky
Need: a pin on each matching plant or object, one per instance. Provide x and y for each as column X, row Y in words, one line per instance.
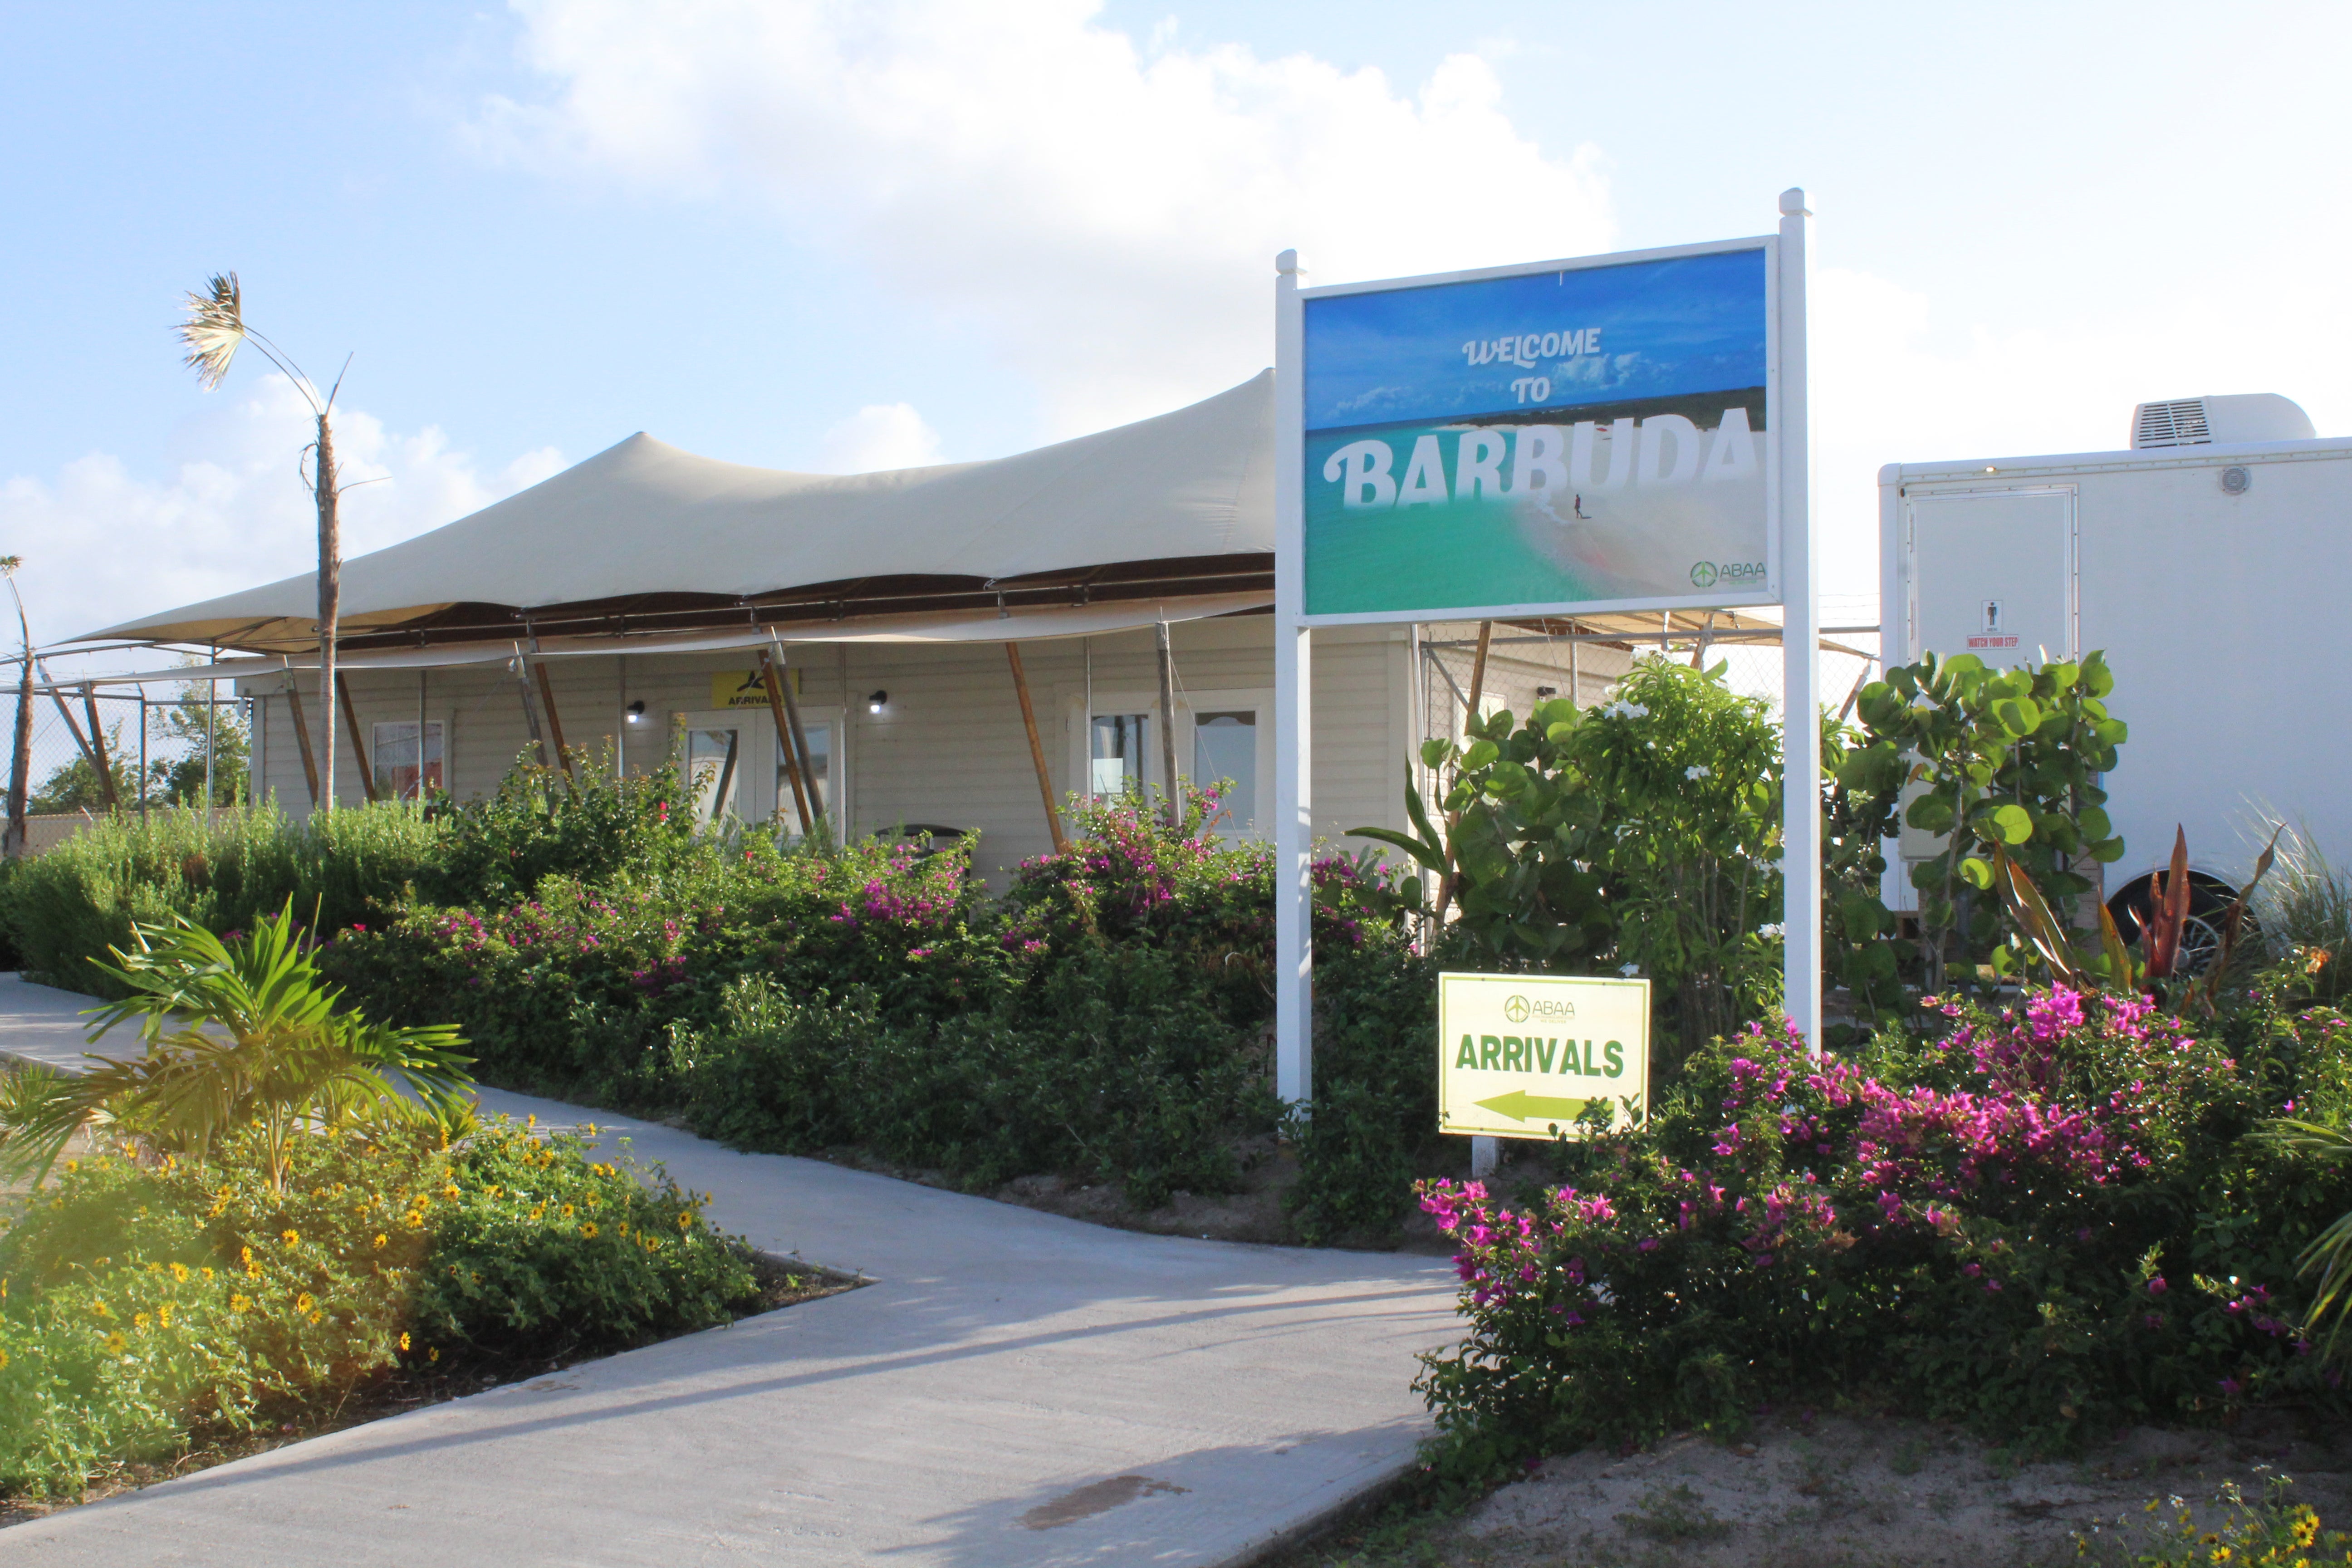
column 833, row 236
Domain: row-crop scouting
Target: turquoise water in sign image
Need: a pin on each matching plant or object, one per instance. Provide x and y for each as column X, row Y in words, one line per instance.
column 1564, row 436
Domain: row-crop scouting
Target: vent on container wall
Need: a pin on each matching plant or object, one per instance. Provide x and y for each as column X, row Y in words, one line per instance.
column 2248, row 418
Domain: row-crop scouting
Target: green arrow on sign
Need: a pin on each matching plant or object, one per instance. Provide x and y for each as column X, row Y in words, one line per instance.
column 1521, row 1106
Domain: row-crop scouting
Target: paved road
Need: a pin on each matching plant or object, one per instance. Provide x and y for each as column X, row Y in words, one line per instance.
column 1015, row 1388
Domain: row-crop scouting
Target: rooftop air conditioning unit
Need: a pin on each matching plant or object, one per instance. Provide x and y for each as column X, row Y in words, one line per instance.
column 2227, row 421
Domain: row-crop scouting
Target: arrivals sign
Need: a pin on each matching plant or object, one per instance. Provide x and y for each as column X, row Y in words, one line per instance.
column 1593, row 435
column 1526, row 1055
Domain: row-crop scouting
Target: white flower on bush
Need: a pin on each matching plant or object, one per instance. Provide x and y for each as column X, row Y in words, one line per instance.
column 1699, row 772
column 1621, row 709
column 1630, row 970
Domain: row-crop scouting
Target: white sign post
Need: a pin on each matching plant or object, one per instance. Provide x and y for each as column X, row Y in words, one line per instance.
column 1599, row 434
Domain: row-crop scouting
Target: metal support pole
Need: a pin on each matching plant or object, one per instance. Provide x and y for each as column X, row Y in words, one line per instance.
column 1801, row 796
column 142, row 753
column 212, row 724
column 1294, row 765
column 1168, row 728
column 423, row 723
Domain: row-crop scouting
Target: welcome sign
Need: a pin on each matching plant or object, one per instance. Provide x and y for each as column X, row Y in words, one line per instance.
column 1593, row 435
column 1530, row 1056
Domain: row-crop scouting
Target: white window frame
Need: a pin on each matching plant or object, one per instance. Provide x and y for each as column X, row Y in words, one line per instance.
column 445, row 722
column 1111, row 700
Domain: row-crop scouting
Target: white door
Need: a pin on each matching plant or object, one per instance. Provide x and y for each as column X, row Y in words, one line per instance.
column 1992, row 573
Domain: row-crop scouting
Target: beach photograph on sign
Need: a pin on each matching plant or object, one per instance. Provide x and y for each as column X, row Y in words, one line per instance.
column 1575, row 435
column 1537, row 1055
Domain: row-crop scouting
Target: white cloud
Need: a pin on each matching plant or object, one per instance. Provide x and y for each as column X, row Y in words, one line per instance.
column 879, row 435
column 1108, row 217
column 102, row 546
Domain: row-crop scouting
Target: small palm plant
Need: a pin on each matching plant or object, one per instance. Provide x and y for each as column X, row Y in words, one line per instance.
column 241, row 1033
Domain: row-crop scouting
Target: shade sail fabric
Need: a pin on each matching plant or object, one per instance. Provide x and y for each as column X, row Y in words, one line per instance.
column 644, row 518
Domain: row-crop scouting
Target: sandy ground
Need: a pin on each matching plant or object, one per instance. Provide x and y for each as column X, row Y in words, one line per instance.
column 1853, row 1492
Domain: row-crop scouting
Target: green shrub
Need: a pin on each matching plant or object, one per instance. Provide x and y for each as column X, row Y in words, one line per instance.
column 66, row 909
column 2044, row 1222
column 542, row 822
column 149, row 1306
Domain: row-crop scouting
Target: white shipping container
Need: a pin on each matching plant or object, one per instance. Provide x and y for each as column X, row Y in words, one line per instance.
column 2207, row 562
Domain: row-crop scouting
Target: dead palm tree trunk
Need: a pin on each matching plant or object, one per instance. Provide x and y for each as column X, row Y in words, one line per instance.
column 214, row 330
column 20, row 757
column 331, row 593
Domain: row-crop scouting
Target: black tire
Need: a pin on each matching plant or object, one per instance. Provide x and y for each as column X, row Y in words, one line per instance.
column 2210, row 899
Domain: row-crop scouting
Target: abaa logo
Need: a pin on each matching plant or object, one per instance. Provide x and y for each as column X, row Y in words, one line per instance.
column 1516, row 1009
column 1703, row 574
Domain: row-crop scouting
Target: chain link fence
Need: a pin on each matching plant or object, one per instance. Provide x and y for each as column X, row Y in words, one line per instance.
column 172, row 747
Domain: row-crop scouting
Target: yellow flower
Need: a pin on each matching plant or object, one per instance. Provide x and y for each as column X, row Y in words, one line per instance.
column 100, row 1309
column 403, row 1339
column 4, row 1361
column 163, row 1315
column 72, row 1166
column 433, row 1354
column 139, row 1321
column 498, row 1192
column 531, row 1121
column 239, row 1303
column 302, row 1303
column 686, row 1220
column 291, row 1238
column 379, row 1239
column 317, row 1317
column 567, row 1211
column 116, row 1345
column 208, row 1273
column 450, row 1191
column 154, row 1269
column 588, row 1229
column 245, row 1256
column 180, row 1272
column 625, row 1229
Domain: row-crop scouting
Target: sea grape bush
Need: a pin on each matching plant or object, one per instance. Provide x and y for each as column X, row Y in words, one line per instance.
column 1640, row 835
column 148, row 1305
column 2044, row 1221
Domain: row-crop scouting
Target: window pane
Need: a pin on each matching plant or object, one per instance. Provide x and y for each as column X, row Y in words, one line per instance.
column 393, row 759
column 711, row 771
column 1224, row 746
column 820, row 746
column 1117, row 757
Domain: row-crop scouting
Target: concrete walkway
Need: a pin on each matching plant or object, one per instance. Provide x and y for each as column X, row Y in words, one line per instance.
column 1015, row 1388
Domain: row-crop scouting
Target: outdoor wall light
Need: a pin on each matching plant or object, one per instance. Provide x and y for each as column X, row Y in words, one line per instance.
column 637, row 711
column 875, row 699
column 1547, row 691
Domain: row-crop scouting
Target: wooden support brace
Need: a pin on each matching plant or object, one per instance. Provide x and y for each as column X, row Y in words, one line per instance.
column 98, row 749
column 787, row 740
column 1036, row 749
column 554, row 719
column 303, row 740
column 352, row 726
column 800, row 735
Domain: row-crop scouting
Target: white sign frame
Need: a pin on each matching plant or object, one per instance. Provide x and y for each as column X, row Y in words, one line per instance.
column 1792, row 581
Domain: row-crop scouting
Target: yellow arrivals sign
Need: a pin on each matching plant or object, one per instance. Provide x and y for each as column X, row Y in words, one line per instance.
column 738, row 689
column 1524, row 1056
